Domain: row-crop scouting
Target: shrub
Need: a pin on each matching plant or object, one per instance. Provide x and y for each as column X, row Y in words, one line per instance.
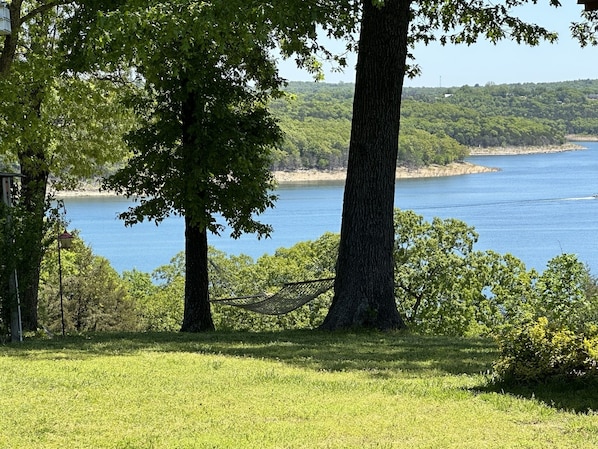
column 559, row 335
column 538, row 351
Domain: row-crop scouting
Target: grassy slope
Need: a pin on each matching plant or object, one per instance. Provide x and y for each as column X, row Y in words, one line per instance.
column 292, row 390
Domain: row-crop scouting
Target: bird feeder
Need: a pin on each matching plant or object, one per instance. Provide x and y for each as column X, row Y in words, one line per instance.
column 66, row 240
column 4, row 19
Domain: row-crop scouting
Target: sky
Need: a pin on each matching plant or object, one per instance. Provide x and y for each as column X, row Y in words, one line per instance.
column 504, row 63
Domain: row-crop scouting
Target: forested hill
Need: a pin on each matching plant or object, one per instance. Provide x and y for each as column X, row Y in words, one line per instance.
column 438, row 124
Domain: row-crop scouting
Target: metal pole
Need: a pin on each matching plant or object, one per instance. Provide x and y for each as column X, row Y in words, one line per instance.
column 16, row 329
column 60, row 282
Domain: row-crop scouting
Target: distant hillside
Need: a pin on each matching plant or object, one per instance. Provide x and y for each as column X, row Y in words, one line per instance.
column 438, row 124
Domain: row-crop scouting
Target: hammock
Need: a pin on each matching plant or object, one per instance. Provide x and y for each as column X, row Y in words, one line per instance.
column 290, row 297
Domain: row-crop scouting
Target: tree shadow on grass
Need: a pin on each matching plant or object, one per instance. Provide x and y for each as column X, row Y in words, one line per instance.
column 572, row 394
column 380, row 354
column 317, row 350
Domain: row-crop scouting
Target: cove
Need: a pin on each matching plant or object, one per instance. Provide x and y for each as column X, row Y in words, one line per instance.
column 536, row 207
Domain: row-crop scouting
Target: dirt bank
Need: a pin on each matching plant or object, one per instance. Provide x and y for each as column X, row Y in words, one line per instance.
column 454, row 169
column 506, row 151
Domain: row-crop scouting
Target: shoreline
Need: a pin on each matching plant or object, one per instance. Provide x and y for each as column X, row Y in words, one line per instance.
column 312, row 175
column 514, row 151
column 431, row 171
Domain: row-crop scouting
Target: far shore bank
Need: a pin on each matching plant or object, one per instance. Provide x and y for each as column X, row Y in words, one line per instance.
column 507, row 151
column 453, row 169
column 431, row 171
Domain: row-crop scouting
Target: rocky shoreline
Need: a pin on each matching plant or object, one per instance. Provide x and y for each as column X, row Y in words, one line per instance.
column 508, row 151
column 454, row 169
column 307, row 176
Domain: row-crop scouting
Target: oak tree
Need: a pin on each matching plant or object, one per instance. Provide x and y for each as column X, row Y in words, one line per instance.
column 364, row 294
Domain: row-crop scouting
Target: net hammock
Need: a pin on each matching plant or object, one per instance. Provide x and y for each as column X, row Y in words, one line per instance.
column 290, row 297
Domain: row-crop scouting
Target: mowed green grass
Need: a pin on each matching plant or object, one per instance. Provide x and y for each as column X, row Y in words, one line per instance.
column 301, row 389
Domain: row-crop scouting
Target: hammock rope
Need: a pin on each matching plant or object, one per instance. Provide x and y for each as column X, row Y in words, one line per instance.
column 291, row 296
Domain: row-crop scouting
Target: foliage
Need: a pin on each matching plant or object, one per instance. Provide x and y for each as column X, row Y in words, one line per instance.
column 204, row 136
column 17, row 242
column 437, row 124
column 432, row 278
column 563, row 294
column 57, row 126
column 559, row 334
column 95, row 298
column 538, row 350
column 82, row 122
column 304, row 261
column 443, row 286
column 6, row 268
column 158, row 304
column 586, row 31
column 389, row 30
column 205, row 73
column 507, row 291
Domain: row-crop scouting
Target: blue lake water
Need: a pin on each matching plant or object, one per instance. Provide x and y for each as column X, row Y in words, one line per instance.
column 535, row 207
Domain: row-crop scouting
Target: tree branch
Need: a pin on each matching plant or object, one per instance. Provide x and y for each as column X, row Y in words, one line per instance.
column 43, row 8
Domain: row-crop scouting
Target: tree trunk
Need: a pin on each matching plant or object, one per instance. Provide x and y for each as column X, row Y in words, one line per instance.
column 33, row 201
column 34, row 168
column 364, row 286
column 35, row 172
column 197, row 315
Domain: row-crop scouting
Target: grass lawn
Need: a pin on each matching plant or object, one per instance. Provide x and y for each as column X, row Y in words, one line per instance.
column 300, row 389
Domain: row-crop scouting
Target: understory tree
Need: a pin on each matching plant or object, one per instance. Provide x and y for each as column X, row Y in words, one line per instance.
column 54, row 129
column 203, row 147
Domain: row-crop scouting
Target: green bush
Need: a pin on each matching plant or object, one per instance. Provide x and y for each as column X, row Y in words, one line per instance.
column 558, row 335
column 94, row 296
column 539, row 351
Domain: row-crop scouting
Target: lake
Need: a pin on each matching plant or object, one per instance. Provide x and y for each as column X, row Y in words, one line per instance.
column 536, row 207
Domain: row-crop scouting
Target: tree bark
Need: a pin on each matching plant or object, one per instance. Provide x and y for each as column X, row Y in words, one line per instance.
column 364, row 286
column 35, row 173
column 197, row 315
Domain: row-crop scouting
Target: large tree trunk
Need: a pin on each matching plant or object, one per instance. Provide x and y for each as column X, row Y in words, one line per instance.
column 197, row 315
column 364, row 290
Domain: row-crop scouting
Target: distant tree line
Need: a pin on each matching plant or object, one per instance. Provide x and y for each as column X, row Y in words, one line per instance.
column 438, row 124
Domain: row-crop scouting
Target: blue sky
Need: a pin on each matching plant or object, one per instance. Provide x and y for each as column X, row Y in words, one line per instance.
column 505, row 62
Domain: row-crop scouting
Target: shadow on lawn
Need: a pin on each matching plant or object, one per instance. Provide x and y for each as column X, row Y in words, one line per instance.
column 380, row 354
column 318, row 350
column 579, row 395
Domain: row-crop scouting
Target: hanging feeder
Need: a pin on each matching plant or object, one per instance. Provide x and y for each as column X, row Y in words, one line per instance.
column 66, row 240
column 4, row 19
